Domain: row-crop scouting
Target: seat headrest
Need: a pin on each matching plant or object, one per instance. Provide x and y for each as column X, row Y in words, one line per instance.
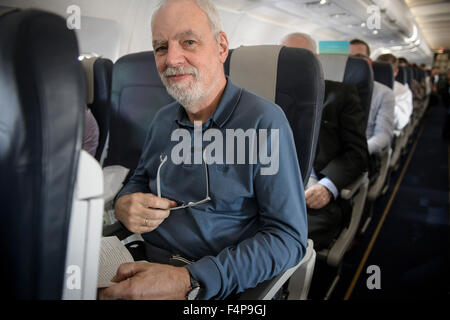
column 137, row 93
column 265, row 60
column 333, row 66
column 383, row 72
column 357, row 71
column 401, row 75
column 88, row 66
column 295, row 77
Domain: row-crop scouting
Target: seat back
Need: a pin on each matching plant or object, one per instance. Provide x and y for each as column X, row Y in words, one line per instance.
column 98, row 75
column 137, row 94
column 42, row 107
column 401, row 75
column 383, row 72
column 357, row 71
column 293, row 79
column 409, row 76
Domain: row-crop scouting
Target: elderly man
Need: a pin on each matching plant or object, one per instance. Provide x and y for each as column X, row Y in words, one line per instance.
column 250, row 226
column 380, row 124
column 341, row 155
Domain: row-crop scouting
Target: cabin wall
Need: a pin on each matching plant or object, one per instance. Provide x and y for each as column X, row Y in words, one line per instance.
column 113, row 28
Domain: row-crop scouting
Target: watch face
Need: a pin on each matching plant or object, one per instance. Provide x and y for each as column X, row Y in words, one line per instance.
column 192, row 295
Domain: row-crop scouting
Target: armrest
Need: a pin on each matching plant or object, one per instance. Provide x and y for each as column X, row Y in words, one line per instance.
column 83, row 242
column 116, row 229
column 339, row 248
column 377, row 186
column 113, row 177
column 348, row 192
column 266, row 290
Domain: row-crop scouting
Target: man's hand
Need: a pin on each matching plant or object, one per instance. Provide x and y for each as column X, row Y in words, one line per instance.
column 148, row 281
column 317, row 196
column 142, row 212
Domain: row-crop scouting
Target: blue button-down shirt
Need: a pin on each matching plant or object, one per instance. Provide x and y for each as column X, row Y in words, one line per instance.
column 255, row 225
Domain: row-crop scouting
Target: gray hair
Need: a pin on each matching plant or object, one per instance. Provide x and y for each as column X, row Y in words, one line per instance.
column 207, row 6
column 311, row 41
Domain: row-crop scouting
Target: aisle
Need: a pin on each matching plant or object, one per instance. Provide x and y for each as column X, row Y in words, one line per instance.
column 412, row 247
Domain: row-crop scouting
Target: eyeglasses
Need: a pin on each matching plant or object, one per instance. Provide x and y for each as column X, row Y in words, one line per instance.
column 163, row 159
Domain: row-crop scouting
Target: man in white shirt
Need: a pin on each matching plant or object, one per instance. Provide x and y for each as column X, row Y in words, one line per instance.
column 403, row 97
column 380, row 124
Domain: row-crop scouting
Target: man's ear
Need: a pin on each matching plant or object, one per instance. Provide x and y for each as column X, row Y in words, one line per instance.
column 222, row 42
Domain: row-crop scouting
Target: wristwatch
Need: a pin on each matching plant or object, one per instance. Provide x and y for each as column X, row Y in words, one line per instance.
column 195, row 289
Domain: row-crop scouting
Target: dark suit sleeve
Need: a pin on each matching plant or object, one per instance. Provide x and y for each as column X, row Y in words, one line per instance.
column 353, row 159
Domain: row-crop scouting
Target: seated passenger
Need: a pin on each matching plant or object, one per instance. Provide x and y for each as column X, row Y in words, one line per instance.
column 253, row 224
column 91, row 133
column 341, row 155
column 417, row 90
column 380, row 124
column 403, row 97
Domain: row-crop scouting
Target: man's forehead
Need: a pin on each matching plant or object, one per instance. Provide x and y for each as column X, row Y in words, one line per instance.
column 179, row 12
column 177, row 36
column 185, row 20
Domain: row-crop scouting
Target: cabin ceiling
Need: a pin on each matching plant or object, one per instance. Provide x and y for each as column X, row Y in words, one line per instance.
column 433, row 19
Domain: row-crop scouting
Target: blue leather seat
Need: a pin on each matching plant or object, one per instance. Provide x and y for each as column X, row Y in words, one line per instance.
column 409, row 76
column 383, row 72
column 402, row 75
column 353, row 70
column 41, row 127
column 137, row 94
column 359, row 73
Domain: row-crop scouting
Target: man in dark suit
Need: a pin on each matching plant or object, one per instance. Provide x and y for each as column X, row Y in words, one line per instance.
column 341, row 156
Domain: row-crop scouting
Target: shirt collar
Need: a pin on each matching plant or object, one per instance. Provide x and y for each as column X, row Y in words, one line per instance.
column 224, row 110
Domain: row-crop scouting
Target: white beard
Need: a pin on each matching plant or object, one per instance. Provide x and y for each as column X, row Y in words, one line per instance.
column 188, row 95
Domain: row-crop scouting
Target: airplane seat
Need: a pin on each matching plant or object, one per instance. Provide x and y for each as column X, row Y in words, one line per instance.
column 98, row 77
column 41, row 161
column 409, row 76
column 401, row 75
column 358, row 72
column 399, row 138
column 353, row 70
column 300, row 97
column 137, row 94
column 383, row 72
column 293, row 79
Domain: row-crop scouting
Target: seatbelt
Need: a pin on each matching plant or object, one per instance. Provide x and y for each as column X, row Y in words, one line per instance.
column 246, row 60
column 333, row 66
